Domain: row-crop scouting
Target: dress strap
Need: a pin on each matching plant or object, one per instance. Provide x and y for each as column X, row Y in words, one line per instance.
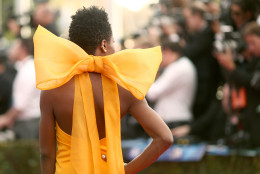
column 113, row 126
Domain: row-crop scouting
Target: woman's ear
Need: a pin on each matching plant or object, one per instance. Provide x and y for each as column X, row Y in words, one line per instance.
column 104, row 46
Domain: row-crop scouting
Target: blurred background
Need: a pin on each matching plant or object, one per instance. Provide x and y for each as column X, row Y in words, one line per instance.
column 207, row 89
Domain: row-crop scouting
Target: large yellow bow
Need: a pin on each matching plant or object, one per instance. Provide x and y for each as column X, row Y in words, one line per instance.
column 57, row 60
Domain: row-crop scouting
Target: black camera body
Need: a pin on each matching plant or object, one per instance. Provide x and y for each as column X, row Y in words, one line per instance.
column 229, row 40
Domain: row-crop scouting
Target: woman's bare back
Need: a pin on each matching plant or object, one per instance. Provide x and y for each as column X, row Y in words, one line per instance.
column 57, row 106
column 62, row 100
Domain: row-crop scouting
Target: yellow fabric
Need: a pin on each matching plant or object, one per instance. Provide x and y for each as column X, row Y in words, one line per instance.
column 63, row 164
column 57, row 60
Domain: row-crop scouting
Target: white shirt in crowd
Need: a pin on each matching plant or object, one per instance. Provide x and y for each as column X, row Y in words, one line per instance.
column 174, row 91
column 26, row 97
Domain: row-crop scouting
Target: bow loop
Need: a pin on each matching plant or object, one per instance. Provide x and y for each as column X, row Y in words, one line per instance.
column 132, row 69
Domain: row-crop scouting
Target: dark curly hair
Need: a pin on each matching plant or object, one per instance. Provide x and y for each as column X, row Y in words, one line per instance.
column 89, row 27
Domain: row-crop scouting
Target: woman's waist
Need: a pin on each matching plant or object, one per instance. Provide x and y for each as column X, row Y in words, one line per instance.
column 64, row 141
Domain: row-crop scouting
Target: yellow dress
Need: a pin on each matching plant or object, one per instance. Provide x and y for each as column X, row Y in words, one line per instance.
column 63, row 164
column 57, row 60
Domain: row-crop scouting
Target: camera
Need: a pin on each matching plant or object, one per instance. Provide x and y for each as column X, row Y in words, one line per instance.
column 229, row 40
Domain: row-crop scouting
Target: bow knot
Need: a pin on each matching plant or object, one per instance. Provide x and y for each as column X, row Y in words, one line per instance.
column 92, row 64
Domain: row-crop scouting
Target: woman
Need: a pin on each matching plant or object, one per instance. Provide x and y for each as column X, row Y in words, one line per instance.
column 86, row 95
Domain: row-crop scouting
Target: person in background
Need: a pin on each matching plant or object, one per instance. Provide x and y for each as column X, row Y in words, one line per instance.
column 208, row 127
column 174, row 90
column 13, row 29
column 242, row 12
column 43, row 15
column 7, row 74
column 199, row 48
column 24, row 114
column 249, row 78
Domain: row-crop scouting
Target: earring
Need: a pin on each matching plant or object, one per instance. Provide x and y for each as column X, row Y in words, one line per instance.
column 104, row 49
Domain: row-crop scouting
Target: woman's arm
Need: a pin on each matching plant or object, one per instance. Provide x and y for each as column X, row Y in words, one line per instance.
column 156, row 128
column 47, row 136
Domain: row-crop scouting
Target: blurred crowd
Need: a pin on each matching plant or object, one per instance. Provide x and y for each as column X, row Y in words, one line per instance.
column 207, row 87
column 19, row 98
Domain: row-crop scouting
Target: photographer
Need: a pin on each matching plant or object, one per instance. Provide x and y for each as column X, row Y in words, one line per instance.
column 248, row 78
column 229, row 39
column 198, row 49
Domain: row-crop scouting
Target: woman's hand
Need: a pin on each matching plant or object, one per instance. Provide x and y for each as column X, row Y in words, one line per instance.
column 181, row 131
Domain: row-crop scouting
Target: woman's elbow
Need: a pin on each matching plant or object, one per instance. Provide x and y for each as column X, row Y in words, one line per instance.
column 170, row 140
column 167, row 140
